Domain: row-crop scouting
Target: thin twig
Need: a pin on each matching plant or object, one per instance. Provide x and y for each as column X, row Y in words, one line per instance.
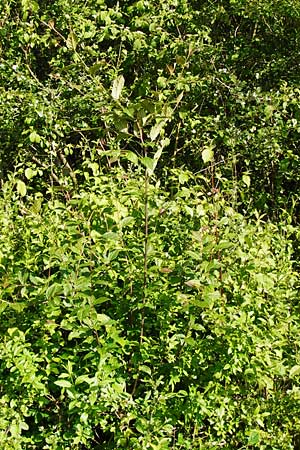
column 67, row 165
column 145, row 257
column 53, row 176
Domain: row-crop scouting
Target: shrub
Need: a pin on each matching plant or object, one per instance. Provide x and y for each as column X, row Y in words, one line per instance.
column 138, row 319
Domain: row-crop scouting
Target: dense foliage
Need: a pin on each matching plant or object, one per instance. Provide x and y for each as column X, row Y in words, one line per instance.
column 218, row 77
column 149, row 186
column 186, row 337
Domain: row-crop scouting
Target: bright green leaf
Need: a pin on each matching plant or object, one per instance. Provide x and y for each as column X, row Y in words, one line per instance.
column 207, row 155
column 145, row 369
column 29, row 173
column 148, row 163
column 53, row 290
column 24, row 426
column 21, row 188
column 103, row 319
column 132, row 157
column 295, row 370
column 3, row 306
column 246, row 179
column 63, row 383
column 254, row 437
column 34, row 137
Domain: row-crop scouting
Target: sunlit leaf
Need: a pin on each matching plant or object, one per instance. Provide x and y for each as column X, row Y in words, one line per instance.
column 72, row 41
column 254, row 437
column 246, row 179
column 132, row 157
column 63, row 383
column 117, row 87
column 193, row 283
column 157, row 129
column 21, row 188
column 103, row 319
column 29, row 173
column 295, row 370
column 207, row 154
column 148, row 162
column 34, row 137
column 145, row 369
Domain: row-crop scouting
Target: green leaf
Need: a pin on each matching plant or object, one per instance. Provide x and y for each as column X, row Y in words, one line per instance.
column 157, row 156
column 75, row 334
column 132, row 157
column 83, row 379
column 54, row 290
column 63, row 383
column 162, row 82
column 103, row 319
column 36, row 280
column 18, row 306
column 129, row 220
column 95, row 236
column 29, row 173
column 246, row 179
column 95, row 68
column 254, row 437
column 72, row 41
column 207, row 154
column 110, row 236
column 156, row 130
column 21, row 188
column 269, row 109
column 3, row 306
column 14, row 430
column 137, row 44
column 121, row 125
column 183, row 178
column 295, row 370
column 149, row 163
column 34, row 137
column 24, row 426
column 165, row 142
column 112, row 255
column 145, row 369
column 117, row 87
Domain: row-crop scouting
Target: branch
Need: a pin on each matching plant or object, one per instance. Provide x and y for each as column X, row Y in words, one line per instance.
column 67, row 165
column 52, row 174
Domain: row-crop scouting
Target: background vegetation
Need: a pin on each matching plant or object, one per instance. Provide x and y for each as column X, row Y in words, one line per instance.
column 149, row 241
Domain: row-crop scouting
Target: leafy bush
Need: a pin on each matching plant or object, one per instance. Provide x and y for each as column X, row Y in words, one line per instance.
column 134, row 317
column 144, row 311
column 220, row 78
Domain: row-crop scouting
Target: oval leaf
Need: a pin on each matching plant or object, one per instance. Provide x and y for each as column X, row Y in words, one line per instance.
column 117, row 87
column 29, row 173
column 295, row 370
column 246, row 179
column 72, row 41
column 148, row 163
column 132, row 157
column 63, row 383
column 156, row 129
column 21, row 188
column 207, row 155
column 34, row 137
column 193, row 284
